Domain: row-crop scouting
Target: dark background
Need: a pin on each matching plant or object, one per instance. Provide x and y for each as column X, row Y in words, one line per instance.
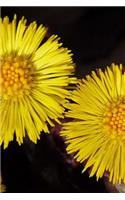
column 96, row 36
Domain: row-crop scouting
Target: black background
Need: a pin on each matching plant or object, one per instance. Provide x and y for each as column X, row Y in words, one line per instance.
column 96, row 36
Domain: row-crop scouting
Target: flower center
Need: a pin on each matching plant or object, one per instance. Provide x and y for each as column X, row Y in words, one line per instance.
column 16, row 74
column 114, row 119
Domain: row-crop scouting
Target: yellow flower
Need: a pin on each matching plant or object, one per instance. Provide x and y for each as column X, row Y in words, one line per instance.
column 2, row 187
column 97, row 130
column 34, row 75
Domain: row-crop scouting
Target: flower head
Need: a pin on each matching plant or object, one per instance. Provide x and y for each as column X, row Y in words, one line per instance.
column 34, row 75
column 97, row 134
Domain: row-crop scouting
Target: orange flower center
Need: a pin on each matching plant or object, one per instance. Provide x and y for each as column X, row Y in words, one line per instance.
column 16, row 74
column 114, row 119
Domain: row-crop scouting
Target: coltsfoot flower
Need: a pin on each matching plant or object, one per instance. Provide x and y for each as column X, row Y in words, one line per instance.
column 34, row 75
column 97, row 133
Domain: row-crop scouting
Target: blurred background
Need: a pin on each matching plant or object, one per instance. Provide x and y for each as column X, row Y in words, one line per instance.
column 96, row 36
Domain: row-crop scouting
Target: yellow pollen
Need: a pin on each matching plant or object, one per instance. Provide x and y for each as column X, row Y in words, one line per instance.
column 114, row 119
column 16, row 75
